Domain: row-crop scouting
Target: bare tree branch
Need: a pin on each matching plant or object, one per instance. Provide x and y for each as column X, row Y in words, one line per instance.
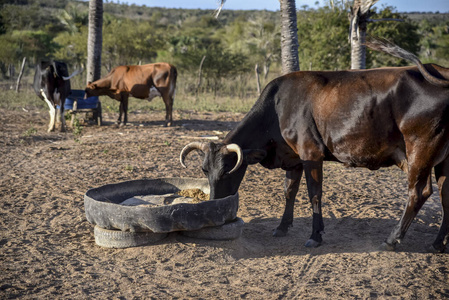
column 218, row 10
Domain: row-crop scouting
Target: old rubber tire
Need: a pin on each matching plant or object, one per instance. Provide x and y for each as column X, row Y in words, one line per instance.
column 125, row 239
column 103, row 206
column 228, row 231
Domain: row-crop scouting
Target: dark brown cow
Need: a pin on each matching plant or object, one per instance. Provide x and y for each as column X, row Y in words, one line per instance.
column 361, row 118
column 143, row 82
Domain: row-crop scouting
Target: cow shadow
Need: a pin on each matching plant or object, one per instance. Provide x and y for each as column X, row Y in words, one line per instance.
column 345, row 235
column 189, row 125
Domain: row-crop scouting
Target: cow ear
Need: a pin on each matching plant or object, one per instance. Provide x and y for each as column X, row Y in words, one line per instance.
column 254, row 156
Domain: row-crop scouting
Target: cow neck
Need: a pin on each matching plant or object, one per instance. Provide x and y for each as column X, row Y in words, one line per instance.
column 104, row 82
column 254, row 131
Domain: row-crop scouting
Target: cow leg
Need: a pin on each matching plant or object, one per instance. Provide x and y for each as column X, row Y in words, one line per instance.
column 124, row 102
column 60, row 117
column 420, row 188
column 291, row 186
column 314, row 177
column 123, row 110
column 61, row 114
column 119, row 114
column 52, row 112
column 168, row 100
column 442, row 177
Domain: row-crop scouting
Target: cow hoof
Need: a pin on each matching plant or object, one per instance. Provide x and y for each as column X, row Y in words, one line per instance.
column 312, row 243
column 432, row 249
column 279, row 232
column 387, row 247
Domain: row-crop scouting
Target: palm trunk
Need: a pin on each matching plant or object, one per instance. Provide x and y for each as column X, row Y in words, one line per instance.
column 289, row 37
column 358, row 21
column 358, row 51
column 95, row 40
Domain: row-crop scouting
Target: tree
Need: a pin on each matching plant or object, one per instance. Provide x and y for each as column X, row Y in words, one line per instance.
column 94, row 40
column 324, row 34
column 434, row 41
column 289, row 37
column 358, row 20
column 404, row 34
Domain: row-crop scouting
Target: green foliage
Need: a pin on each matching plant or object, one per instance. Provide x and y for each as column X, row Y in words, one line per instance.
column 30, row 131
column 25, row 100
column 126, row 41
column 435, row 41
column 9, row 47
column 77, row 128
column 232, row 45
column 257, row 38
column 71, row 47
column 323, row 39
column 404, row 34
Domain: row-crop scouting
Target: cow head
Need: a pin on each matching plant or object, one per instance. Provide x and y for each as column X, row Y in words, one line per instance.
column 90, row 90
column 224, row 165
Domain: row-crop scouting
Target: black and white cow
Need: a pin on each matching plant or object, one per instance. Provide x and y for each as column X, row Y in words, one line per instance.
column 52, row 84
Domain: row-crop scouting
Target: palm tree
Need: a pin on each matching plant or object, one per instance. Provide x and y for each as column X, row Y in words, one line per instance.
column 289, row 37
column 359, row 16
column 94, row 40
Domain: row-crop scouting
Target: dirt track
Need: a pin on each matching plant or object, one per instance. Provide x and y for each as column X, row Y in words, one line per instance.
column 47, row 248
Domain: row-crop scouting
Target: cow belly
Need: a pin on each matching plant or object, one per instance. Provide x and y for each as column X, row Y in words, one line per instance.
column 371, row 158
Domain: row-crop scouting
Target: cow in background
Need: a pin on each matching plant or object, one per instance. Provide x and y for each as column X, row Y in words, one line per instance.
column 52, row 84
column 143, row 82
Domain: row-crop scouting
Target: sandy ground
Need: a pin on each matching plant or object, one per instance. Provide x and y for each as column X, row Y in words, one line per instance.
column 47, row 247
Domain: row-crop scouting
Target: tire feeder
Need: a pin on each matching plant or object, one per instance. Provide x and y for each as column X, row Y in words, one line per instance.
column 120, row 226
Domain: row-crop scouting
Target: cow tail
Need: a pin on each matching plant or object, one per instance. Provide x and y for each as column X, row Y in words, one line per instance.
column 383, row 45
column 174, row 76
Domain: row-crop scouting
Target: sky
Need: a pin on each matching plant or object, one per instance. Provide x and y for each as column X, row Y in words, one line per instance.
column 401, row 5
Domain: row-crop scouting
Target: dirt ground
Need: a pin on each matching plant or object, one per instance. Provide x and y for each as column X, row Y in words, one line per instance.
column 48, row 251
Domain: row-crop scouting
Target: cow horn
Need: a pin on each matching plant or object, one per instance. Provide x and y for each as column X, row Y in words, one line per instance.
column 235, row 148
column 189, row 148
column 73, row 74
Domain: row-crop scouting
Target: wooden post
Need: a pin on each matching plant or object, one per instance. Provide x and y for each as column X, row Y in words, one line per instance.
column 20, row 74
column 200, row 73
column 256, row 69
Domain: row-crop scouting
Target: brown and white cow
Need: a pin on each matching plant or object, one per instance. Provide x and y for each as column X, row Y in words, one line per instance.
column 361, row 118
column 52, row 84
column 143, row 82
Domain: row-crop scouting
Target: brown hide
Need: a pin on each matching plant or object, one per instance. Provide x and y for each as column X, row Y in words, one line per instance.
column 136, row 81
column 361, row 118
